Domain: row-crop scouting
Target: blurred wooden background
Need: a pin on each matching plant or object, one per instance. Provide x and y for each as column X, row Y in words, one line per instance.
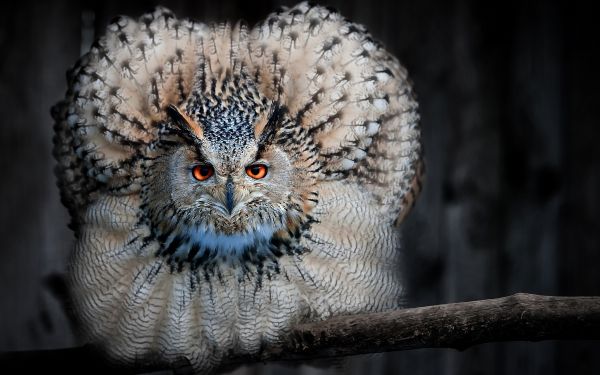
column 510, row 106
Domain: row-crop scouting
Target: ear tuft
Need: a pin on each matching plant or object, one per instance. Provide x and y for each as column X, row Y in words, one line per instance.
column 184, row 121
column 265, row 127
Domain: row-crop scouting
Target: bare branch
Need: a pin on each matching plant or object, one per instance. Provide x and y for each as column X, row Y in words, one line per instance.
column 520, row 317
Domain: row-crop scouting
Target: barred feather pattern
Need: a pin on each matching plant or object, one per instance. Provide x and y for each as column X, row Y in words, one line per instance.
column 339, row 113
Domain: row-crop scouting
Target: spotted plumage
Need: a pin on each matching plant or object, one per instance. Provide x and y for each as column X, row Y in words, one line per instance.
column 227, row 182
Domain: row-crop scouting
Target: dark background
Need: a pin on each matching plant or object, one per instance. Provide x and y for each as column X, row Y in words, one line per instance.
column 509, row 101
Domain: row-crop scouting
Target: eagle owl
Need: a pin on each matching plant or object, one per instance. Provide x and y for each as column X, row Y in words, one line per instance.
column 227, row 182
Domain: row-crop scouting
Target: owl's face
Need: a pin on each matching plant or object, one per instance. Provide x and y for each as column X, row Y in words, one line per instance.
column 222, row 189
column 230, row 195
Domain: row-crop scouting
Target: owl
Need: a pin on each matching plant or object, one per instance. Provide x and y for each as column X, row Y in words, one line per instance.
column 226, row 182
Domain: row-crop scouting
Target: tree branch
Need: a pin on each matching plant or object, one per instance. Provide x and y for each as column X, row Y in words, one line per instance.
column 520, row 317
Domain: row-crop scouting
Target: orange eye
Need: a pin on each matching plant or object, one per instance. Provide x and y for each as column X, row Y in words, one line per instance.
column 257, row 171
column 202, row 172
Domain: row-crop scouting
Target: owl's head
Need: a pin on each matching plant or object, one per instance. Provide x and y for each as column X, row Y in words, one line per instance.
column 221, row 189
column 224, row 134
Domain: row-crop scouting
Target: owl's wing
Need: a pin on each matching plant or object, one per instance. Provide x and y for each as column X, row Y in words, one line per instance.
column 106, row 126
column 352, row 96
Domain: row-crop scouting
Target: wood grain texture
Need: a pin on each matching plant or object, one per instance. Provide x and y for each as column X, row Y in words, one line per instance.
column 519, row 317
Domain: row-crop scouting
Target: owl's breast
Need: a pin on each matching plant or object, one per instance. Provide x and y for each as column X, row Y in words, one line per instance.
column 133, row 302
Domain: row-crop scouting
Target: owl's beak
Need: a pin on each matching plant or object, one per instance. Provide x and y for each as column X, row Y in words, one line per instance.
column 229, row 195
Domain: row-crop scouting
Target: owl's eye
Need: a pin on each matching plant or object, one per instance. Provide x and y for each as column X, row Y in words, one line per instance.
column 202, row 172
column 257, row 171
